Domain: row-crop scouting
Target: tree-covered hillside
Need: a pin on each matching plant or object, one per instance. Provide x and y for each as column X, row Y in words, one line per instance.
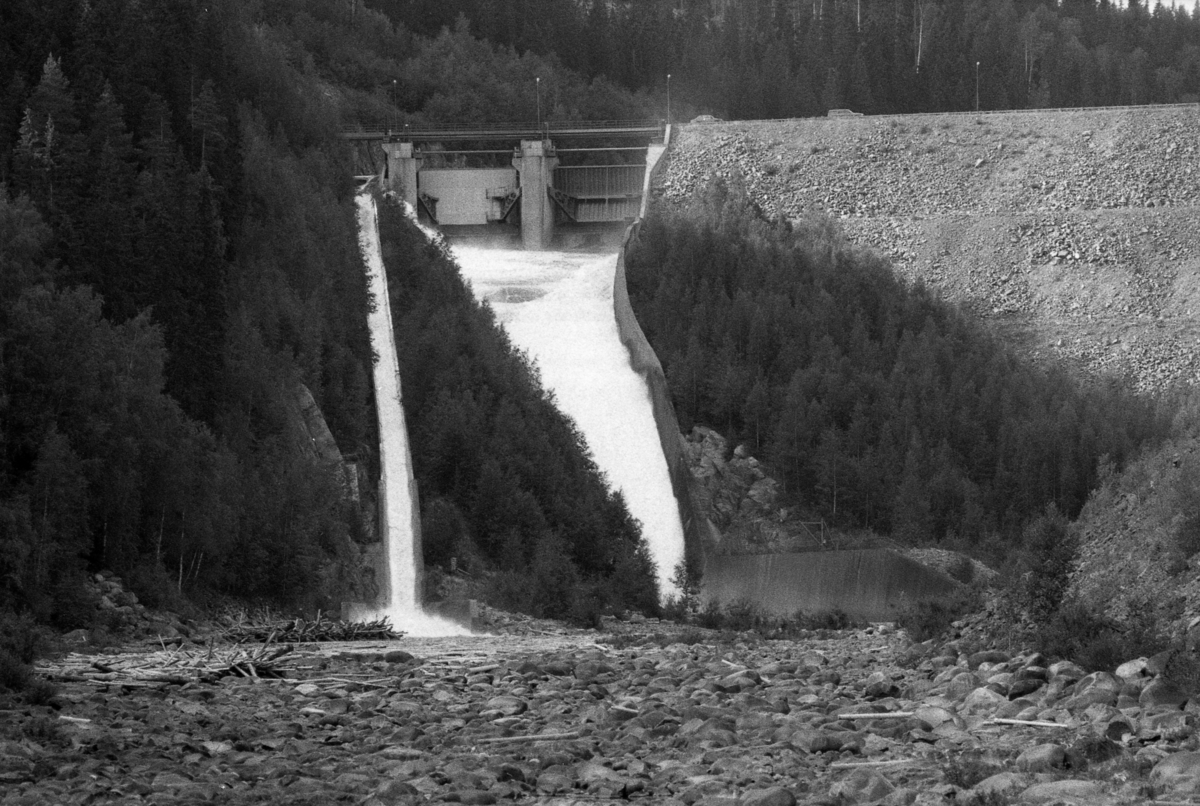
column 786, row 58
column 879, row 405
column 181, row 288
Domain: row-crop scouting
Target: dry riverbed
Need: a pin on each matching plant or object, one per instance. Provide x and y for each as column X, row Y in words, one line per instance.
column 637, row 713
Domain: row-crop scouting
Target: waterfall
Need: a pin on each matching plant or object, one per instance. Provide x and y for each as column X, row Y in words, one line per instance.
column 558, row 308
column 399, row 518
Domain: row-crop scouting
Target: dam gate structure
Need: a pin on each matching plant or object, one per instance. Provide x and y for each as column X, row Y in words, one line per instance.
column 503, row 179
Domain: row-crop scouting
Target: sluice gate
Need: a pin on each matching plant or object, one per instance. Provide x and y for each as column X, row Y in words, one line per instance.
column 556, row 177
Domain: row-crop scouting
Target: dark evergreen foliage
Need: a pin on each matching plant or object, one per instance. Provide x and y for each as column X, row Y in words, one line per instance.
column 770, row 59
column 180, row 261
column 178, row 256
column 879, row 405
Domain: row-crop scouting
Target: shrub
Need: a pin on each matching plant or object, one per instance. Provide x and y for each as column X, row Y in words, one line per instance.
column 1050, row 555
column 19, row 636
column 1093, row 641
column 771, row 168
column 835, row 619
column 20, row 641
column 928, row 618
column 962, row 570
column 587, row 606
column 675, row 608
column 711, row 616
column 75, row 603
column 743, row 615
column 14, row 674
column 152, row 585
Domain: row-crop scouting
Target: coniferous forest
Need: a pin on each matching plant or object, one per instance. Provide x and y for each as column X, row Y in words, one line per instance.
column 180, row 273
column 742, row 59
column 879, row 405
column 180, row 278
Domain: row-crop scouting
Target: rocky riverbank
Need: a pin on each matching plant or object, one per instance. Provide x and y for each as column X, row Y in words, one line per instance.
column 643, row 712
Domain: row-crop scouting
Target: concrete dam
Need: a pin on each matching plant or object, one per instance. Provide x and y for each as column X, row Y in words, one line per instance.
column 570, row 311
column 498, row 182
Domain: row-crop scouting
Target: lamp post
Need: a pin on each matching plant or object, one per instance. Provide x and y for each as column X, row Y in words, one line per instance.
column 539, row 101
column 977, row 86
column 393, row 115
column 668, row 98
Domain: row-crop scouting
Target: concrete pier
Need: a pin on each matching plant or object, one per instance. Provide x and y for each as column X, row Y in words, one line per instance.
column 535, row 162
column 403, row 165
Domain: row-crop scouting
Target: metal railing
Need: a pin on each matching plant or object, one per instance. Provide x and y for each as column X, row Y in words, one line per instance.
column 483, row 131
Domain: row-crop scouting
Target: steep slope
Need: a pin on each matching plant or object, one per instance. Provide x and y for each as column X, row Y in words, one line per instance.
column 1073, row 231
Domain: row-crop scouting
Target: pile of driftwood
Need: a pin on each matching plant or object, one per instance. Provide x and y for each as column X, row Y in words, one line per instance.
column 246, row 647
column 305, row 631
column 172, row 667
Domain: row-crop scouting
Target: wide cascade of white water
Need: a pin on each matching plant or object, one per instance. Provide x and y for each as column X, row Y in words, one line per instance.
column 398, row 517
column 558, row 308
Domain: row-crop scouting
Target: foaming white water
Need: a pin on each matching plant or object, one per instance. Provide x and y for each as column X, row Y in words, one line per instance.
column 558, row 308
column 398, row 518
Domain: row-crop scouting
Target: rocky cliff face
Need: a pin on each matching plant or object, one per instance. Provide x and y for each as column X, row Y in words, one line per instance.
column 1140, row 541
column 737, row 495
column 734, row 493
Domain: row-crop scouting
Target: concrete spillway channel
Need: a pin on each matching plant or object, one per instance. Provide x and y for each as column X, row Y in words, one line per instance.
column 558, row 308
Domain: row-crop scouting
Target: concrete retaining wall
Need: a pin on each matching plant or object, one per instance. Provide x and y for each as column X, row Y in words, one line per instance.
column 645, row 362
column 870, row 584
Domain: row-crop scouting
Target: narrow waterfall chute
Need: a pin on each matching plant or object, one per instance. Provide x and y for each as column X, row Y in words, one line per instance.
column 399, row 518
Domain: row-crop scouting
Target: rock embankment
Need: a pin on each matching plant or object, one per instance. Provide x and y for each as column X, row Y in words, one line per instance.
column 1074, row 230
column 848, row 718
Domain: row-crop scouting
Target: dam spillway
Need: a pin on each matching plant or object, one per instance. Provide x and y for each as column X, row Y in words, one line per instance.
column 557, row 307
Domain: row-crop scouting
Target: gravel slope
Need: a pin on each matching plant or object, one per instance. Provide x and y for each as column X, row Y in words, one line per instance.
column 1075, row 232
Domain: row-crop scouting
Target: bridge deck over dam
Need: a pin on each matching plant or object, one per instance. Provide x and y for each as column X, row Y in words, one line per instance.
column 537, row 177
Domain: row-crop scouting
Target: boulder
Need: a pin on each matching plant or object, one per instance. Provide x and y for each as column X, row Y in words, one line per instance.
column 962, row 685
column 999, row 784
column 1042, row 757
column 1180, row 773
column 1131, row 669
column 862, row 786
column 1068, row 793
column 983, row 701
column 975, row 660
column 775, row 796
column 1066, row 670
column 1162, row 694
